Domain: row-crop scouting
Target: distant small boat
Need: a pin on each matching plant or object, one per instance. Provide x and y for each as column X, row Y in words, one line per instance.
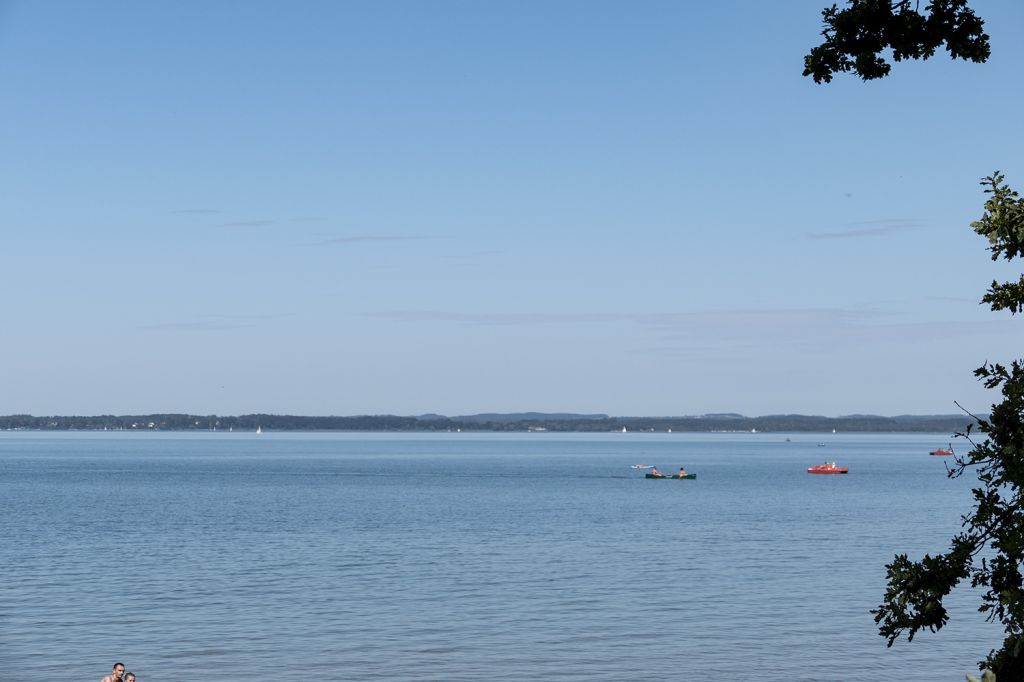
column 641, row 466
column 259, row 429
column 942, row 452
column 828, row 468
column 687, row 477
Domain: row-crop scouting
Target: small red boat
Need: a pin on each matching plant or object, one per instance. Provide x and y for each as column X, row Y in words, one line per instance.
column 828, row 468
column 942, row 452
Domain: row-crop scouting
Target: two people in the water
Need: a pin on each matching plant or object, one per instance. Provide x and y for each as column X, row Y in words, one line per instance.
column 119, row 675
column 658, row 474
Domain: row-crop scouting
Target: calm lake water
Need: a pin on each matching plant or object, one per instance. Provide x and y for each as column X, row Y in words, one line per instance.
column 234, row 556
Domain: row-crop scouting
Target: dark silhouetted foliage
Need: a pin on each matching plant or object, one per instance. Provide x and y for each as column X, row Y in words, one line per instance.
column 990, row 547
column 858, row 37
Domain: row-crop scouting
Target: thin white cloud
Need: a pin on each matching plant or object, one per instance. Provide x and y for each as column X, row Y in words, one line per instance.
column 367, row 238
column 248, row 223
column 497, row 318
column 254, row 317
column 870, row 228
column 952, row 299
column 197, row 325
column 729, row 318
column 739, row 328
column 214, row 322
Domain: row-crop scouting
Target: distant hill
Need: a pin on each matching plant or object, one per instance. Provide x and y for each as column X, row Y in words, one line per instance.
column 496, row 418
column 519, row 421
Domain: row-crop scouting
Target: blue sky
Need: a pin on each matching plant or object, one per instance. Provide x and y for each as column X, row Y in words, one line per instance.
column 455, row 207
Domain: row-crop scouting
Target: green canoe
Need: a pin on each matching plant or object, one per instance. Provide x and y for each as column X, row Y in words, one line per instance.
column 688, row 477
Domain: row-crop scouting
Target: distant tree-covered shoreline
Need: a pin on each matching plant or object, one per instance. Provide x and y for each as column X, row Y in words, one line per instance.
column 493, row 422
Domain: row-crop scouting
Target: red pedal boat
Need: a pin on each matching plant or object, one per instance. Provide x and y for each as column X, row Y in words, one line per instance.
column 942, row 452
column 828, row 468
